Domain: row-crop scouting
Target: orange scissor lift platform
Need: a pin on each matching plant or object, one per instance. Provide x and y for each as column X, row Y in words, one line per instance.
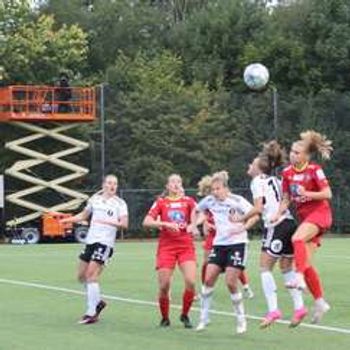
column 44, row 113
column 42, row 103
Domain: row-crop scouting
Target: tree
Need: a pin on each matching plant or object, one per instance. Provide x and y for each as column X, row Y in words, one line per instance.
column 33, row 50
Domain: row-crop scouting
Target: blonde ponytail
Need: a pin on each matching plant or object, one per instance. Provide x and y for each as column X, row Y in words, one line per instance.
column 317, row 143
column 204, row 186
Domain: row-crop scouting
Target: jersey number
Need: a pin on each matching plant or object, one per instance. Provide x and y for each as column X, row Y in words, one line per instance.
column 273, row 185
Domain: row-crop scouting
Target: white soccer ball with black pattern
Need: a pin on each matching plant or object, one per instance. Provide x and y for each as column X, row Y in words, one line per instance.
column 256, row 76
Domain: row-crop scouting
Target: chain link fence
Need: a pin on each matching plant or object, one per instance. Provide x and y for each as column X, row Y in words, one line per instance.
column 139, row 202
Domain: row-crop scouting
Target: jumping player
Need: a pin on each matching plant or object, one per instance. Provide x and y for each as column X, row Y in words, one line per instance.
column 108, row 212
column 229, row 251
column 277, row 237
column 171, row 214
column 305, row 184
column 204, row 189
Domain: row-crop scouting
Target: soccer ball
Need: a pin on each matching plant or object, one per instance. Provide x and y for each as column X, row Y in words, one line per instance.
column 256, row 76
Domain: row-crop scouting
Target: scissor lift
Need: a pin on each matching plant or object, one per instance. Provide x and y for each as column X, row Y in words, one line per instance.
column 42, row 114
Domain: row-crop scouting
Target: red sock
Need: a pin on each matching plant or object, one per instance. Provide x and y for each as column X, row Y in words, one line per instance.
column 187, row 300
column 204, row 270
column 313, row 282
column 243, row 277
column 300, row 255
column 164, row 306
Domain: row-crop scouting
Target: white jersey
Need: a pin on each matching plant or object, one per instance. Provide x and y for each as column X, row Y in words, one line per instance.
column 270, row 189
column 101, row 208
column 227, row 232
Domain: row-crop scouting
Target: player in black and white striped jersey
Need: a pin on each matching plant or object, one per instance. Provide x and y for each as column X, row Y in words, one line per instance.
column 108, row 213
column 277, row 236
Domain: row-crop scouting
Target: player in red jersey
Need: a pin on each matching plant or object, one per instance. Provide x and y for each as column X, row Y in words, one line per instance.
column 204, row 189
column 305, row 184
column 175, row 246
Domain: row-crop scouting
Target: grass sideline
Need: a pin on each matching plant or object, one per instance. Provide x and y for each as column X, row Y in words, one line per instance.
column 36, row 318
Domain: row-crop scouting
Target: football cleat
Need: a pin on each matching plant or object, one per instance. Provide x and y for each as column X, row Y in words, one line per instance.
column 86, row 319
column 241, row 326
column 320, row 308
column 270, row 318
column 248, row 293
column 298, row 316
column 165, row 322
column 186, row 321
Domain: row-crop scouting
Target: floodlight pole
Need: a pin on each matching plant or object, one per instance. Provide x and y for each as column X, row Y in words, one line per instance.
column 275, row 111
column 102, row 128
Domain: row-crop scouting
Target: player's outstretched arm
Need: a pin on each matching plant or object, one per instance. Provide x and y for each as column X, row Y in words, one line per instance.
column 82, row 216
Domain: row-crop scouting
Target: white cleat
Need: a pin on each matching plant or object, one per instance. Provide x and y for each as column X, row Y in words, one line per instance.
column 248, row 293
column 321, row 307
column 241, row 325
column 202, row 326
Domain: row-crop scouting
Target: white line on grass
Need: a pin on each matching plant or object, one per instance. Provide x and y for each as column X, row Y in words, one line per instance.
column 151, row 303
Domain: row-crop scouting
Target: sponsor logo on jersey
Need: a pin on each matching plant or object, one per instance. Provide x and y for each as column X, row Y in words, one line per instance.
column 175, row 205
column 176, row 216
column 298, row 177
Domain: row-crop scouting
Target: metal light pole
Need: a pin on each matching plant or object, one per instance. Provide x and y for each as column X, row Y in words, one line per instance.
column 102, row 127
column 275, row 111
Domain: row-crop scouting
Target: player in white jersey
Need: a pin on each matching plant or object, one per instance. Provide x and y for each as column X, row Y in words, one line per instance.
column 277, row 237
column 107, row 213
column 229, row 251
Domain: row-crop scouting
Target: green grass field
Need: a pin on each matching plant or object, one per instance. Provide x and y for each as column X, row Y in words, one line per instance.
column 36, row 316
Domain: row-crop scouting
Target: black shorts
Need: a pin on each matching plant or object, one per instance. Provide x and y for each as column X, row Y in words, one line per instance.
column 277, row 240
column 234, row 255
column 97, row 252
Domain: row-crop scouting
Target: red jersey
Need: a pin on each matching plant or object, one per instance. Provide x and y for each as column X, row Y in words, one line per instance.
column 313, row 179
column 177, row 211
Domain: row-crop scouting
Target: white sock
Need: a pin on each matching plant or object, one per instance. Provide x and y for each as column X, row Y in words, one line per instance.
column 237, row 302
column 206, row 298
column 270, row 290
column 297, row 295
column 93, row 297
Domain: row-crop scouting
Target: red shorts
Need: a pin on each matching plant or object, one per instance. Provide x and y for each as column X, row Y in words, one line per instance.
column 208, row 243
column 321, row 218
column 169, row 256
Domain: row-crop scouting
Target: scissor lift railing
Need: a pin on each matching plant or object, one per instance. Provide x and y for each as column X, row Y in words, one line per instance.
column 24, row 106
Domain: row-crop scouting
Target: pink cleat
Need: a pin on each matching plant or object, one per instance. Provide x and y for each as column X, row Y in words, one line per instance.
column 270, row 318
column 298, row 317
